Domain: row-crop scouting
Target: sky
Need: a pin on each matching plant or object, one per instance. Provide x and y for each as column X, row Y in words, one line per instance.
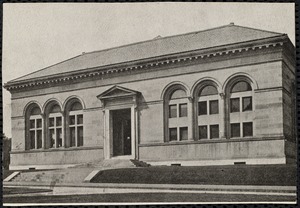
column 41, row 34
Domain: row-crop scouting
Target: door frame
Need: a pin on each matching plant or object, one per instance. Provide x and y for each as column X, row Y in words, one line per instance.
column 108, row 132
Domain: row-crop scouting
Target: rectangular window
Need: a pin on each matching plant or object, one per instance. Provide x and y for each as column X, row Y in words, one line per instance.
column 172, row 111
column 234, row 105
column 32, row 124
column 51, row 122
column 32, row 140
column 80, row 136
column 39, row 123
column 213, row 107
column 173, row 134
column 72, row 120
column 183, row 110
column 235, row 130
column 202, row 108
column 214, row 131
column 39, row 139
column 247, row 129
column 58, row 121
column 52, row 138
column 247, row 103
column 183, row 133
column 202, row 132
column 80, row 119
column 59, row 137
column 72, row 137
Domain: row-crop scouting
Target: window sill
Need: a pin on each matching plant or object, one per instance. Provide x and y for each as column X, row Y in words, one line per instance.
column 207, row 141
column 57, row 149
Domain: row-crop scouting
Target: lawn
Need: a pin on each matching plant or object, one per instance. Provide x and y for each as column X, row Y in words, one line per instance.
column 21, row 190
column 149, row 197
column 281, row 175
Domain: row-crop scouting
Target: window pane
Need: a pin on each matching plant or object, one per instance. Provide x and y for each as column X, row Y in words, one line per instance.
column 183, row 110
column 80, row 136
column 39, row 139
column 213, row 107
column 247, row 129
column 183, row 133
column 202, row 132
column 241, row 87
column 52, row 138
column 72, row 137
column 35, row 111
column 72, row 120
column 32, row 140
column 178, row 94
column 51, row 122
column 234, row 105
column 76, row 106
column 202, row 108
column 39, row 123
column 208, row 90
column 58, row 121
column 172, row 111
column 32, row 124
column 80, row 119
column 247, row 103
column 214, row 131
column 173, row 134
column 59, row 137
column 235, row 130
column 55, row 109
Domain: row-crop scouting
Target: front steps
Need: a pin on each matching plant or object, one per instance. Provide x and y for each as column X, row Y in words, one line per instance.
column 114, row 163
column 76, row 174
column 54, row 176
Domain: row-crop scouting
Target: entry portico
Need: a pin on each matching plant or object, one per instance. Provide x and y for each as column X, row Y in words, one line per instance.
column 120, row 122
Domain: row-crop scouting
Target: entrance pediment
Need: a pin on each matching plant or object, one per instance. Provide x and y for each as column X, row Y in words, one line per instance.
column 117, row 91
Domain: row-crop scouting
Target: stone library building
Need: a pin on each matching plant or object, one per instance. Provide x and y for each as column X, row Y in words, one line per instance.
column 221, row 96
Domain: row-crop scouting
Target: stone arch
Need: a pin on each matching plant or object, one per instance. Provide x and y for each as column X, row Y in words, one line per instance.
column 204, row 82
column 49, row 103
column 30, row 106
column 171, row 87
column 70, row 100
column 240, row 76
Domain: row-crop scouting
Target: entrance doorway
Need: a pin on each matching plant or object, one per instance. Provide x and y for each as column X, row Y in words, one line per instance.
column 121, row 122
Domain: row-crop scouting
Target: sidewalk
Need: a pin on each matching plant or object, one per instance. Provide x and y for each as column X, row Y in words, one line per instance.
column 105, row 188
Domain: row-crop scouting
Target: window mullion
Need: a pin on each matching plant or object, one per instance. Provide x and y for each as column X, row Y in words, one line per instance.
column 55, row 136
column 76, row 136
column 208, row 107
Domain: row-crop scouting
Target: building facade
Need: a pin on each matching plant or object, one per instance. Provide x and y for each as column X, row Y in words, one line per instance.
column 219, row 96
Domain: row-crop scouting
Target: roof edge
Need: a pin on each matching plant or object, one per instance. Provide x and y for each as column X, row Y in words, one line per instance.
column 134, row 64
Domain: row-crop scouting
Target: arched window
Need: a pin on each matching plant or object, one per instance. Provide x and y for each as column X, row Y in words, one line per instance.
column 208, row 113
column 54, row 138
column 240, row 110
column 74, row 121
column 34, row 128
column 177, row 116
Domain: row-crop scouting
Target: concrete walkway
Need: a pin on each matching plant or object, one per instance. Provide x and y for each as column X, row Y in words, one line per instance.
column 107, row 188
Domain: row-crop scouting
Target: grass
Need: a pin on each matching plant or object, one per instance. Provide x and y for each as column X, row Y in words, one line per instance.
column 149, row 197
column 277, row 175
column 21, row 190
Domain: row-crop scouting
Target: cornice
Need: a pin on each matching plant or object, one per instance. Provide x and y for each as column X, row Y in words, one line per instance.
column 189, row 57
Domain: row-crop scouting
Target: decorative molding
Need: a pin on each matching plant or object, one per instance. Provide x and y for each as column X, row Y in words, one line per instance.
column 55, row 149
column 182, row 58
column 210, row 141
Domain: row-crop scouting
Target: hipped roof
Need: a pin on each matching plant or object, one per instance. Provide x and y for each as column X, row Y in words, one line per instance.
column 160, row 46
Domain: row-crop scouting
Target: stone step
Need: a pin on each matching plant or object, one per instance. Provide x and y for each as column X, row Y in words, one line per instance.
column 56, row 176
